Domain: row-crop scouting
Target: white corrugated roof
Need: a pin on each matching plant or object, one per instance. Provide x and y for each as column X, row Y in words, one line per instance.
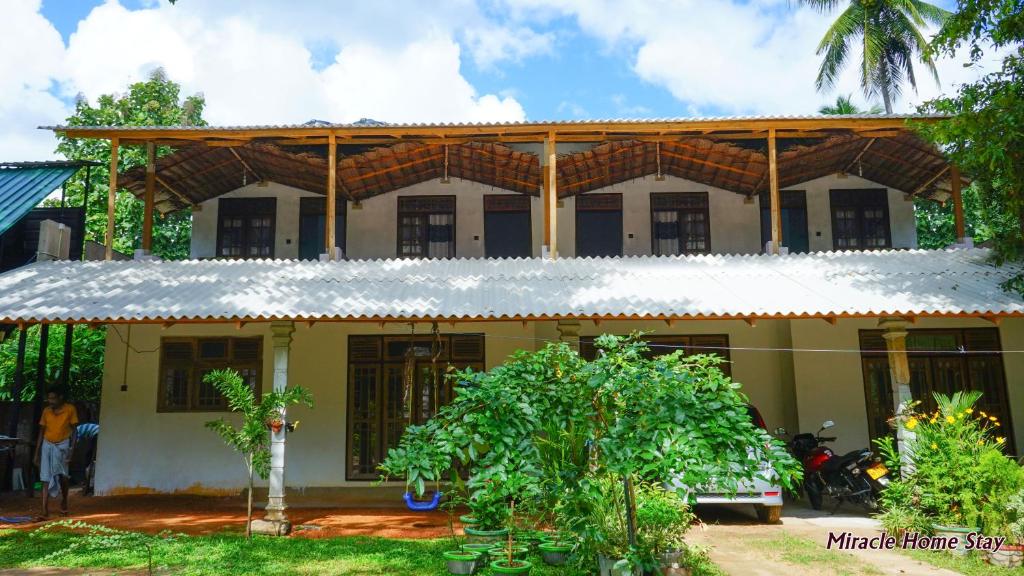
column 909, row 282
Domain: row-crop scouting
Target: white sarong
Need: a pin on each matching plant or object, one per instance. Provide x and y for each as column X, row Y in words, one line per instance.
column 53, row 464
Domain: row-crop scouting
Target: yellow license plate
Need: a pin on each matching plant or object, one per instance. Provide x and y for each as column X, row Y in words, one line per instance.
column 877, row 471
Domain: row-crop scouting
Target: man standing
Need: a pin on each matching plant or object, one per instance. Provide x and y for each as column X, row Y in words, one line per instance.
column 54, row 446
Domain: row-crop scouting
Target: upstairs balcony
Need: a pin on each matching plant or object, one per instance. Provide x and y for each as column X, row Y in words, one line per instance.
column 701, row 186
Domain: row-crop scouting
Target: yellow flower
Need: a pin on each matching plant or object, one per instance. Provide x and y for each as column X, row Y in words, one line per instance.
column 1000, row 440
column 968, row 410
column 980, row 442
column 961, row 416
column 950, row 419
column 935, row 446
column 932, row 421
column 911, row 424
column 983, row 415
column 992, row 418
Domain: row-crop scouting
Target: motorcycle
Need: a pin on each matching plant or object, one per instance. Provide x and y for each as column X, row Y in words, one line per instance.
column 857, row 477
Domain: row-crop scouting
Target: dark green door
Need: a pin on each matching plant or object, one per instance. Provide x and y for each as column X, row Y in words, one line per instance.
column 313, row 224
column 794, row 220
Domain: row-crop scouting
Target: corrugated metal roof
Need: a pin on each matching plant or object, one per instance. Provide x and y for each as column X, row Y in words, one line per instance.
column 378, row 124
column 23, row 186
column 915, row 282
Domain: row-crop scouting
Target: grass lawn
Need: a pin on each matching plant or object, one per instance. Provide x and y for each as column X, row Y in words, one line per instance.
column 232, row 554
column 970, row 565
column 805, row 552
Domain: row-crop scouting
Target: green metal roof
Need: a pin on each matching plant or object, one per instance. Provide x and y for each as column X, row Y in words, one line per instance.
column 24, row 185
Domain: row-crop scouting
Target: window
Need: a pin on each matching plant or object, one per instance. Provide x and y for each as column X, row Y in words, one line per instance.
column 680, row 223
column 245, row 227
column 660, row 345
column 313, row 224
column 426, row 227
column 860, row 219
column 937, row 364
column 185, row 361
column 507, row 232
column 381, row 405
column 599, row 225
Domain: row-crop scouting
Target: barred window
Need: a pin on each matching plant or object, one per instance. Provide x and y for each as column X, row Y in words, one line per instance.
column 426, row 227
column 245, row 227
column 680, row 223
column 184, row 362
column 860, row 219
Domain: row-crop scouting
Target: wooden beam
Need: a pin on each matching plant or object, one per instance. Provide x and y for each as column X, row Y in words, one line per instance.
column 332, row 182
column 773, row 182
column 931, row 180
column 958, row 202
column 245, row 164
column 148, row 198
column 551, row 196
column 995, row 320
column 859, row 155
column 751, row 321
column 176, row 194
column 108, row 249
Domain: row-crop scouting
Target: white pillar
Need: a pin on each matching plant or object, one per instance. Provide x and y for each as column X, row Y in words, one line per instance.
column 276, row 517
column 895, row 335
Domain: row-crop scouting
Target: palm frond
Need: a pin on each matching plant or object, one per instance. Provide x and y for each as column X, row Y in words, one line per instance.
column 835, row 47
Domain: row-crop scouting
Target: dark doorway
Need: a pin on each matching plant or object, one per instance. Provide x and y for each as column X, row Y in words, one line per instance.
column 794, row 220
column 507, row 231
column 599, row 225
column 313, row 225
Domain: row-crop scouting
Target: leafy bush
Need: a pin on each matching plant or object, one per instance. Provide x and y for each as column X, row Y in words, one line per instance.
column 561, row 426
column 96, row 537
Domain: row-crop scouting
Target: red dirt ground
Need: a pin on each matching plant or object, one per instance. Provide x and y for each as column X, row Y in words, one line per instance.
column 210, row 514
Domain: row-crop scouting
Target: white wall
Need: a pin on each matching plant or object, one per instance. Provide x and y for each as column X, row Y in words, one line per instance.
column 735, row 224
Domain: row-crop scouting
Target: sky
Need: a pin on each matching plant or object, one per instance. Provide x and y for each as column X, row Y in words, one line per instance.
column 276, row 62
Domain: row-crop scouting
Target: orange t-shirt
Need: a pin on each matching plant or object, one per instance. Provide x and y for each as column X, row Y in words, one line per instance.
column 60, row 425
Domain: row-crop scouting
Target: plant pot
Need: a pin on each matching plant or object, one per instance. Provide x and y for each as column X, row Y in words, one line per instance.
column 468, row 520
column 503, row 567
column 501, row 551
column 554, row 554
column 614, row 567
column 462, row 562
column 1007, row 556
column 489, row 536
column 668, row 564
column 959, row 532
column 482, row 548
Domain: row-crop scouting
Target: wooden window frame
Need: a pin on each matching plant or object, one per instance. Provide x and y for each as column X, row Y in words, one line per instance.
column 317, row 205
column 874, row 356
column 425, row 212
column 516, row 203
column 198, row 366
column 385, row 361
column 247, row 208
column 859, row 199
column 680, row 208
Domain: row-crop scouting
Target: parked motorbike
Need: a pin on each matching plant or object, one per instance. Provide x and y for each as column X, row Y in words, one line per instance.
column 857, row 477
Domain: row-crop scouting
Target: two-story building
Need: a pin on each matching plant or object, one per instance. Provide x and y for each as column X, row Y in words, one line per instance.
column 345, row 257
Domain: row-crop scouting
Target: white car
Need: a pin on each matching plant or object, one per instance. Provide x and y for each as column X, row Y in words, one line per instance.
column 765, row 496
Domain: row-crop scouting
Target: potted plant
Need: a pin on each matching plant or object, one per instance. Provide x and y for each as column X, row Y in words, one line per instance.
column 490, row 513
column 554, row 552
column 1011, row 517
column 662, row 518
column 462, row 561
column 511, row 560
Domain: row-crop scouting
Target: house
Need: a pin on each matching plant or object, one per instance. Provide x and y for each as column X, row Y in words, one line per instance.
column 323, row 253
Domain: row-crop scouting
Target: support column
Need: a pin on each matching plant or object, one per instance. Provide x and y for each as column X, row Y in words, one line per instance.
column 69, row 343
column 276, row 521
column 773, row 182
column 958, row 204
column 148, row 199
column 332, row 183
column 15, row 414
column 895, row 335
column 37, row 402
column 569, row 332
column 549, row 170
column 108, row 252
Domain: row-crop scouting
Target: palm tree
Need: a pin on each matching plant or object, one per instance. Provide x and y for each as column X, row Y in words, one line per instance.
column 845, row 105
column 889, row 32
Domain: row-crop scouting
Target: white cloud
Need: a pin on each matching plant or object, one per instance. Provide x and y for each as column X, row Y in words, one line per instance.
column 32, row 54
column 740, row 57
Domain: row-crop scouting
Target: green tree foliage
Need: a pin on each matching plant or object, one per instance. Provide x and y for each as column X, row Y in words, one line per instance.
column 86, row 377
column 155, row 102
column 845, row 105
column 985, row 220
column 252, row 439
column 553, row 425
column 888, row 35
column 984, row 134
